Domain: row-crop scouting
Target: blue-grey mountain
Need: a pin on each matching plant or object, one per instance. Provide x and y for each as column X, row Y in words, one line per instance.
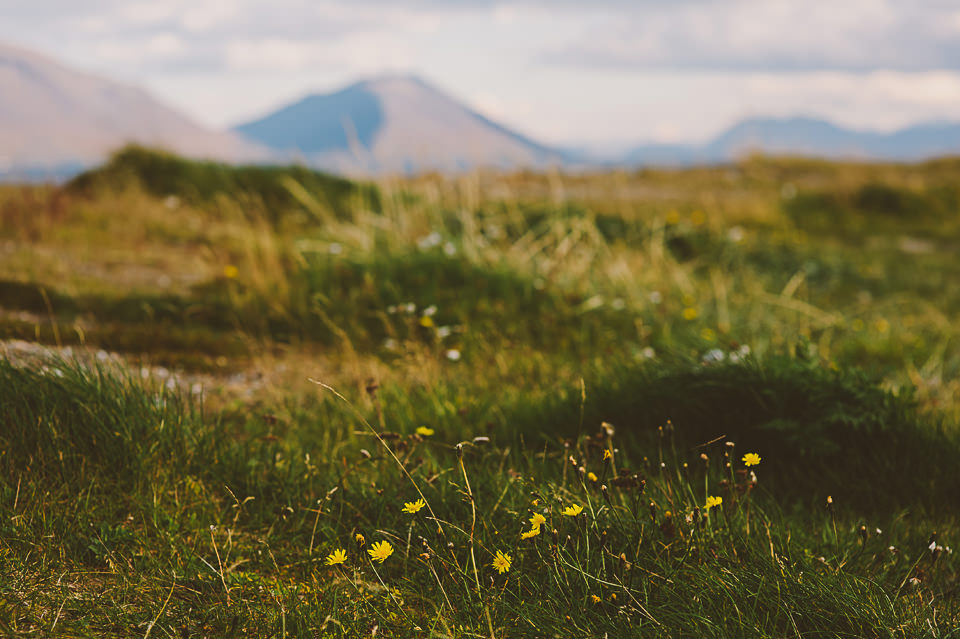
column 805, row 137
column 393, row 124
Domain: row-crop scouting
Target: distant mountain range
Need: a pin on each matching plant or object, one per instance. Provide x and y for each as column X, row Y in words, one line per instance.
column 55, row 121
column 804, row 137
column 393, row 124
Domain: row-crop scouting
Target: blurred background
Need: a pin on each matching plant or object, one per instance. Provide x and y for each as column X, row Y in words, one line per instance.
column 373, row 87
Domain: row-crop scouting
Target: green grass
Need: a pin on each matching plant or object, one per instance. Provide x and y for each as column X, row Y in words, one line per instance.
column 799, row 310
column 279, row 190
column 126, row 481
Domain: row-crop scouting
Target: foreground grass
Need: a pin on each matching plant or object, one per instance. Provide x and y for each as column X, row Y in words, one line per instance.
column 256, row 366
column 147, row 514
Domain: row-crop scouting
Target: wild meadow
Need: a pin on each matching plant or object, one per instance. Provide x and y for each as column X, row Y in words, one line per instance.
column 710, row 402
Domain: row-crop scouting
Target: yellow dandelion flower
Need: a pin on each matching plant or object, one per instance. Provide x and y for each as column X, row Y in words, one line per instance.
column 359, row 539
column 501, row 562
column 380, row 551
column 423, row 431
column 592, row 477
column 712, row 501
column 231, row 272
column 607, row 454
column 337, row 557
column 573, row 511
column 595, row 599
column 751, row 459
column 690, row 313
column 413, row 507
column 537, row 520
column 426, row 321
column 533, row 532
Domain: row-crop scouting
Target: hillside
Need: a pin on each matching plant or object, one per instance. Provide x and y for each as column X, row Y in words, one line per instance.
column 711, row 402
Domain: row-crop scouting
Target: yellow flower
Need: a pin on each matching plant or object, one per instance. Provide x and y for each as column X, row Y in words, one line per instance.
column 573, row 511
column 607, row 454
column 537, row 520
column 426, row 321
column 689, row 313
column 380, row 551
column 595, row 599
column 337, row 557
column 533, row 532
column 751, row 459
column 230, row 272
column 423, row 431
column 592, row 477
column 413, row 507
column 501, row 562
column 360, row 539
column 713, row 501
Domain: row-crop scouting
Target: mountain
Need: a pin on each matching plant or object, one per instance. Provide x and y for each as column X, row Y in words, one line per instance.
column 393, row 124
column 56, row 120
column 805, row 137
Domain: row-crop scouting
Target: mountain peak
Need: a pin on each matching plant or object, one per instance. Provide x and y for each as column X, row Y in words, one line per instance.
column 392, row 123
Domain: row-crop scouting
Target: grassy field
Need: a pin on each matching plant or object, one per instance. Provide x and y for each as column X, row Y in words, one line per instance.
column 715, row 402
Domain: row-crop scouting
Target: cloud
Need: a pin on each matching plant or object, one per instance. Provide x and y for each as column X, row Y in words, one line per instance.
column 359, row 52
column 773, row 35
column 133, row 36
column 740, row 35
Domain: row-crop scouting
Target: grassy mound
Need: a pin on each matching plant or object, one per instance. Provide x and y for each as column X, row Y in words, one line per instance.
column 833, row 433
column 278, row 189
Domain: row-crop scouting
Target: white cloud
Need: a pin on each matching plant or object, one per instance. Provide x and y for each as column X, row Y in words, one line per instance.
column 207, row 16
column 360, row 52
column 858, row 35
column 156, row 48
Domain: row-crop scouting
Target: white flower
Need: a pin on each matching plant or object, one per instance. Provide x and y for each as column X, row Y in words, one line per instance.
column 453, row 355
column 713, row 355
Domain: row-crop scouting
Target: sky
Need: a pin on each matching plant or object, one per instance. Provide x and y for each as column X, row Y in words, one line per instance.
column 603, row 73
